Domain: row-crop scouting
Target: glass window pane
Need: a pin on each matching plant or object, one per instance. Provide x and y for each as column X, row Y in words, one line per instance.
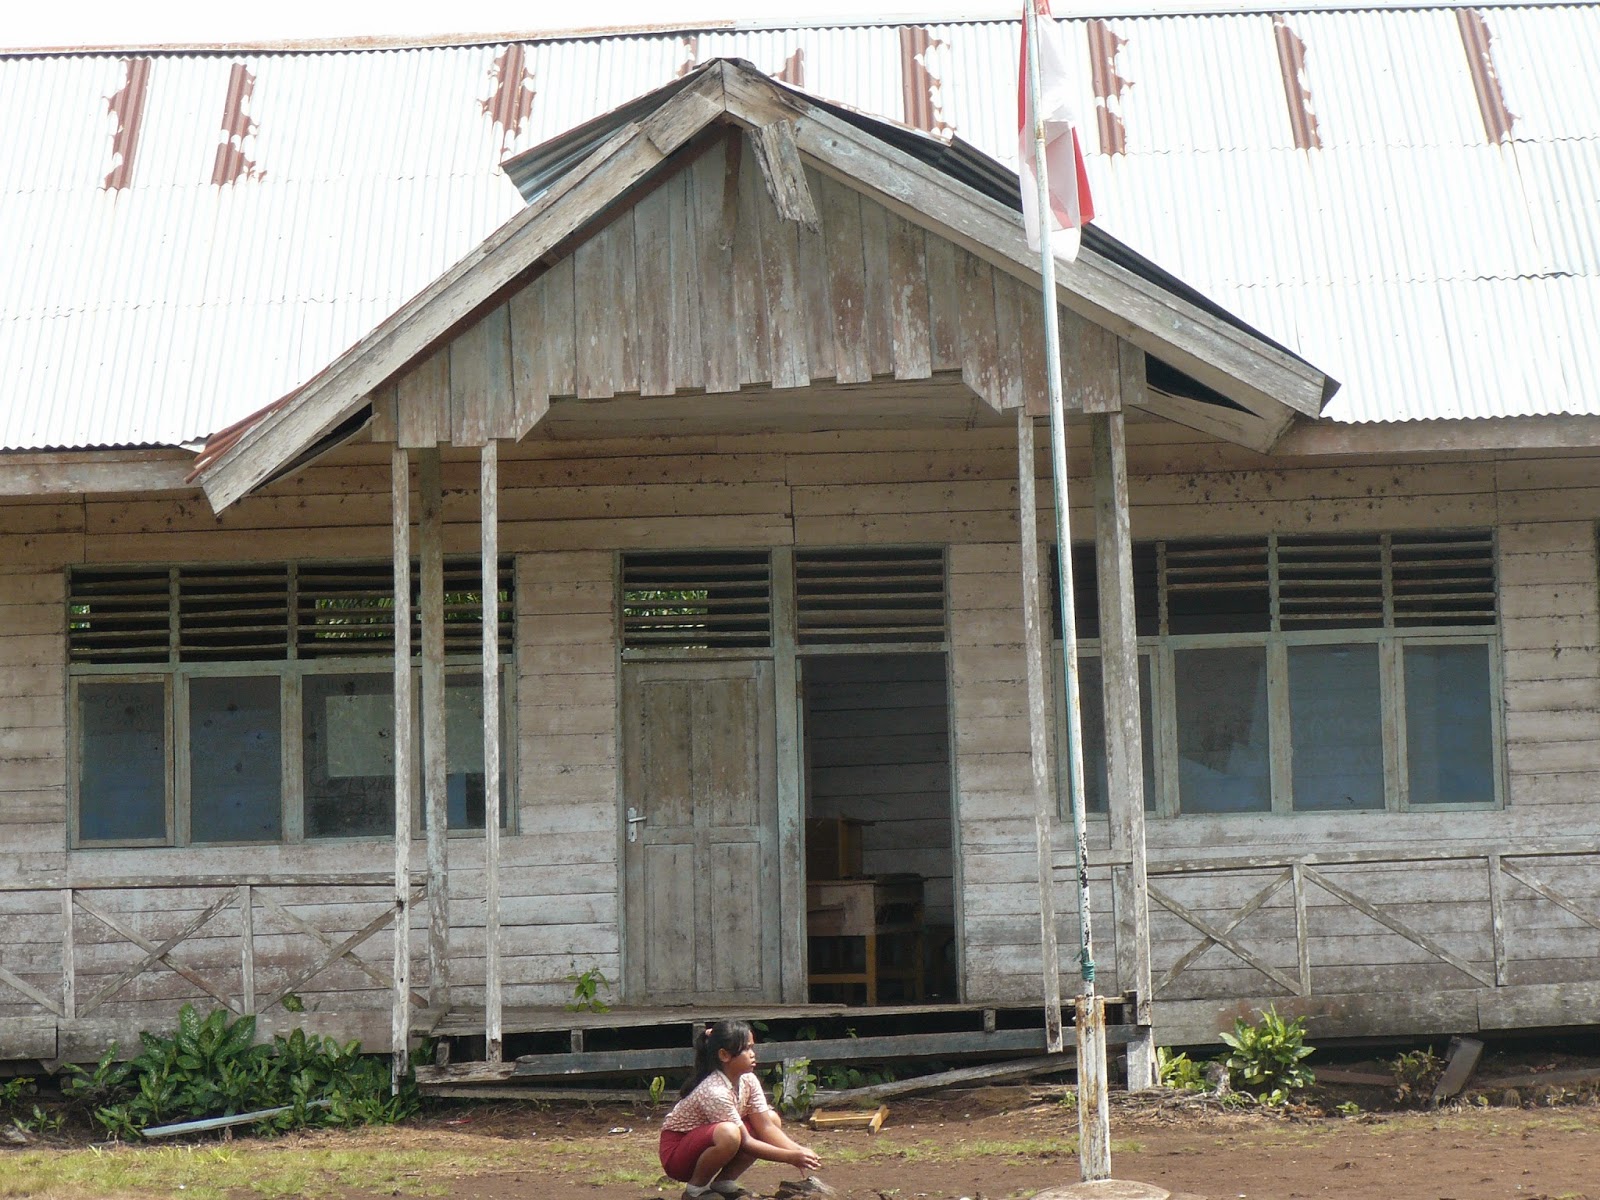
column 1096, row 780
column 1223, row 743
column 122, row 782
column 463, row 715
column 1449, row 729
column 1336, row 727
column 235, row 761
column 348, row 729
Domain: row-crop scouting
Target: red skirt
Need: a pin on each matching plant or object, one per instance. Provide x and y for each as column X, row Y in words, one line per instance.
column 681, row 1149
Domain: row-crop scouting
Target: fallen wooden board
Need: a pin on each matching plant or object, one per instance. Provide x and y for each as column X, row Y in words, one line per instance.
column 467, row 1091
column 1021, row 1068
column 870, row 1121
column 1361, row 1078
column 1464, row 1055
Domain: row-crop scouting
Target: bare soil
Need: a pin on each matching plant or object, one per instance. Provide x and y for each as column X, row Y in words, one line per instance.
column 1005, row 1143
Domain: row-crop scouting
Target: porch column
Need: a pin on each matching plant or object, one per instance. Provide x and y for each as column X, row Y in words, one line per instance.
column 1119, row 666
column 1044, row 795
column 435, row 783
column 489, row 499
column 400, row 1024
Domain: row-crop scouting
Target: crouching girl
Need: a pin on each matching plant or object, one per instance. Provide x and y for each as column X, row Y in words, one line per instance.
column 722, row 1122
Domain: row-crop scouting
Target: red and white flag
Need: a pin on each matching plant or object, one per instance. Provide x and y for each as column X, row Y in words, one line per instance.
column 1068, row 180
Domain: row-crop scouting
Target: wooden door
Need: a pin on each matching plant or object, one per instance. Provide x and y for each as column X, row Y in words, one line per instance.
column 699, row 804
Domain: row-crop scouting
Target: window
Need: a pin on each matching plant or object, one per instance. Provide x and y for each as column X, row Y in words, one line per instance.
column 217, row 705
column 1307, row 673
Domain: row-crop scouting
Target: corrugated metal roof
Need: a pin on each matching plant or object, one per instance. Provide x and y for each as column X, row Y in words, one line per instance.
column 1436, row 272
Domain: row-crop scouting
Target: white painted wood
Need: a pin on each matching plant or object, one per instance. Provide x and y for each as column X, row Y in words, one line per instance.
column 791, row 793
column 1039, row 723
column 1094, row 1101
column 489, row 500
column 435, row 797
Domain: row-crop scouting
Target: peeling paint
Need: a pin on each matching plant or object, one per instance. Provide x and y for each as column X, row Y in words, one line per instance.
column 127, row 106
column 231, row 163
column 1109, row 87
column 924, row 65
column 793, row 71
column 1478, row 41
column 1296, row 91
column 691, row 54
column 512, row 102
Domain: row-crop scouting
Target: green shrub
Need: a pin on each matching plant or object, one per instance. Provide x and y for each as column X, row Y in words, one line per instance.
column 1265, row 1058
column 1179, row 1071
column 212, row 1066
column 794, row 1087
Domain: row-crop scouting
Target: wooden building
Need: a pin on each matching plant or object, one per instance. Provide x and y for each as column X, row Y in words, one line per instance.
column 739, row 411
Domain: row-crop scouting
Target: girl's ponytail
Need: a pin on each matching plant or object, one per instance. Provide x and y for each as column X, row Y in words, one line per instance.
column 731, row 1036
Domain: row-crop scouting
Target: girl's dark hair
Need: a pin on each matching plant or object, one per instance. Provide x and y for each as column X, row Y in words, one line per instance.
column 731, row 1036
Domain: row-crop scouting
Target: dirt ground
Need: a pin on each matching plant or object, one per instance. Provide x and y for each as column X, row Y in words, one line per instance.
column 1004, row 1143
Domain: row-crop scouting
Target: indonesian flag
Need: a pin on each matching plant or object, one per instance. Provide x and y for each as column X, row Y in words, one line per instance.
column 1068, row 180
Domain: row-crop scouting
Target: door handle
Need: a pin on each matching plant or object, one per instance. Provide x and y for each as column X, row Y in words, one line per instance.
column 635, row 819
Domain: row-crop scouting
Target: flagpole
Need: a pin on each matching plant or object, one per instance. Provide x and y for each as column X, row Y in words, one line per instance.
column 1094, row 1137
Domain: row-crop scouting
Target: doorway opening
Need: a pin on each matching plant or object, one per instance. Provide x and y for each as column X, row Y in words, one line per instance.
column 880, row 914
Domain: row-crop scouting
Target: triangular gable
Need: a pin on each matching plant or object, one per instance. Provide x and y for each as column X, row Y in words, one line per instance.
column 580, row 214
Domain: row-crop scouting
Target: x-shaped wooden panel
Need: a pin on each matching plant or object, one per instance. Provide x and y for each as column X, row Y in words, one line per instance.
column 1222, row 936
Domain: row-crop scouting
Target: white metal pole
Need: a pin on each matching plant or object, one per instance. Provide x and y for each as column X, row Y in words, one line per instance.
column 1094, row 1136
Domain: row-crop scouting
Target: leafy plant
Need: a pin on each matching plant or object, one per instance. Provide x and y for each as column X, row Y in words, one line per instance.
column 794, row 1086
column 658, row 1089
column 1348, row 1108
column 843, row 1079
column 1179, row 1071
column 1266, row 1057
column 1414, row 1072
column 213, row 1066
column 586, row 987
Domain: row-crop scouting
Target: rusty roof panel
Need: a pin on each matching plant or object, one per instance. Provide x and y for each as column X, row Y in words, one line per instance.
column 267, row 209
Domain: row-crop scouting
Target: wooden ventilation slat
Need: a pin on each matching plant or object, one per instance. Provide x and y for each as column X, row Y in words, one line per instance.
column 1443, row 579
column 1217, row 587
column 700, row 600
column 120, row 616
column 231, row 614
column 1330, row 582
column 463, row 606
column 845, row 597
column 344, row 609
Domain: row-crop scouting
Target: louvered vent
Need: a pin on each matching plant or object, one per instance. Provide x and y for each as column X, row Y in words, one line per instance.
column 853, row 597
column 344, row 609
column 233, row 614
column 1086, row 591
column 1443, row 579
column 1218, row 587
column 463, row 606
column 702, row 600
column 119, row 616
column 1330, row 582
column 349, row 609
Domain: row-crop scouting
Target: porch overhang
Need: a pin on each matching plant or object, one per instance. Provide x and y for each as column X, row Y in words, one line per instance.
column 1246, row 388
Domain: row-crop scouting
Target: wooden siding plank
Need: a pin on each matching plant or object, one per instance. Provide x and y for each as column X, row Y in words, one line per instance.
column 688, row 368
column 749, row 270
column 878, row 288
column 788, row 320
column 716, row 203
column 847, row 285
column 652, row 238
column 979, row 350
column 908, row 300
column 944, row 312
column 423, row 402
column 480, row 380
column 817, row 295
column 530, row 358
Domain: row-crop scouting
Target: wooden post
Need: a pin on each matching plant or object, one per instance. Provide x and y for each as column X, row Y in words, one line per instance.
column 69, row 954
column 1119, row 674
column 1044, row 797
column 489, row 498
column 247, row 949
column 791, row 797
column 1094, row 1103
column 400, row 1022
column 434, row 779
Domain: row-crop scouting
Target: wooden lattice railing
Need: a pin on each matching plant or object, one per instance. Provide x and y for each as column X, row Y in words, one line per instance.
column 248, row 896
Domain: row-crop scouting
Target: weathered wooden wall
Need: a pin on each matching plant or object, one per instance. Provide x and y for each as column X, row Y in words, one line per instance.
column 567, row 506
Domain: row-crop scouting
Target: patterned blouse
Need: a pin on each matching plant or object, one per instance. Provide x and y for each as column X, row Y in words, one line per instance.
column 715, row 1100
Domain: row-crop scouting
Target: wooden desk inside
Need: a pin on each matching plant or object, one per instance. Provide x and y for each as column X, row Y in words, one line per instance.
column 886, row 913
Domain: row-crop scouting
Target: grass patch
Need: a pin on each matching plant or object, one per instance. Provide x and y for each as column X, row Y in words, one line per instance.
column 213, row 1172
